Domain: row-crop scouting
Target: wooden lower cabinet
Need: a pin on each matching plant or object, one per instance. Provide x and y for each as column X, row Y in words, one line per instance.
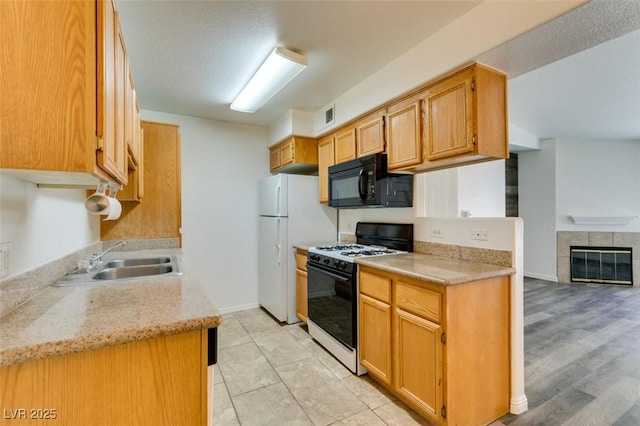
column 301, row 285
column 444, row 350
column 418, row 361
column 375, row 338
column 158, row 381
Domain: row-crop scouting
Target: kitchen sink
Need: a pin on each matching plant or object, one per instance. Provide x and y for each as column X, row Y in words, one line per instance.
column 117, row 263
column 124, row 269
column 132, row 272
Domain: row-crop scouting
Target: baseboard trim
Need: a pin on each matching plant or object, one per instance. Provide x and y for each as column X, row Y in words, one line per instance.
column 552, row 278
column 519, row 404
column 238, row 308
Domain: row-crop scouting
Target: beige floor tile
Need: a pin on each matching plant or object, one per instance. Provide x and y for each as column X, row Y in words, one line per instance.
column 244, row 368
column 324, row 398
column 299, row 331
column 338, row 370
column 397, row 414
column 271, row 405
column 368, row 391
column 280, row 347
column 258, row 322
column 223, row 413
column 364, row 418
column 232, row 333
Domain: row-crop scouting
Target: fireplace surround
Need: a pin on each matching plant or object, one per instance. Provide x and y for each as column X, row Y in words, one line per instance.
column 595, row 241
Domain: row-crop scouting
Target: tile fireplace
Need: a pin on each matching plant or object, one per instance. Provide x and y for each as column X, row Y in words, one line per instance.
column 605, row 257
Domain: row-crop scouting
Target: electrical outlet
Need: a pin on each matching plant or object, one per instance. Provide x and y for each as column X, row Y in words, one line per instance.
column 5, row 259
column 437, row 233
column 480, row 234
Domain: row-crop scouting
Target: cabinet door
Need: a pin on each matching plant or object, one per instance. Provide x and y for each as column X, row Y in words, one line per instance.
column 111, row 92
column 375, row 337
column 345, row 148
column 325, row 159
column 418, row 361
column 449, row 122
column 370, row 135
column 301, row 295
column 158, row 381
column 274, row 157
column 287, row 152
column 47, row 86
column 404, row 135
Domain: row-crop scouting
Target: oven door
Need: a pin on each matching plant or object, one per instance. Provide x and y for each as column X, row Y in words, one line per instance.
column 332, row 299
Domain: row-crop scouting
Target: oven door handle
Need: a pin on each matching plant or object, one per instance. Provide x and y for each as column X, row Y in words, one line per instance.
column 331, row 274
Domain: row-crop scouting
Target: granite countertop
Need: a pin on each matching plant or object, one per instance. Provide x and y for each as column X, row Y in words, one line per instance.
column 64, row 320
column 440, row 270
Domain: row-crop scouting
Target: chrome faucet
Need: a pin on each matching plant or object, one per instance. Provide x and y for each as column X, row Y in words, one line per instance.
column 97, row 257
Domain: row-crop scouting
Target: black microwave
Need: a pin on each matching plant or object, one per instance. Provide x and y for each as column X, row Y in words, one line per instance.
column 365, row 182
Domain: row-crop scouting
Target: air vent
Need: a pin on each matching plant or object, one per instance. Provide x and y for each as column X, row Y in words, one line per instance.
column 326, row 116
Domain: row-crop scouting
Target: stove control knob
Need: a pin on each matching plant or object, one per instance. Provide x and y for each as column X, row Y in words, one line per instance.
column 314, row 257
column 327, row 261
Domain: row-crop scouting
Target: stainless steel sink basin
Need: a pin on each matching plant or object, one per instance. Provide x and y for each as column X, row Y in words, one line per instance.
column 117, row 263
column 124, row 269
column 132, row 272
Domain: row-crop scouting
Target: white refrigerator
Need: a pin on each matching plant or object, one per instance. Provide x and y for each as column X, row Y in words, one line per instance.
column 290, row 214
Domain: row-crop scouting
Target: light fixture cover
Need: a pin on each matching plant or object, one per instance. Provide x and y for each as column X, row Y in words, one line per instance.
column 276, row 71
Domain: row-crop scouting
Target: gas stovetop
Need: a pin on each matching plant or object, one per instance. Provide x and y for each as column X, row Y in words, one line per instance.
column 347, row 252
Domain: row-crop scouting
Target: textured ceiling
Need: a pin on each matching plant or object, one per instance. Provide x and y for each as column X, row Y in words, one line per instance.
column 193, row 57
column 575, row 76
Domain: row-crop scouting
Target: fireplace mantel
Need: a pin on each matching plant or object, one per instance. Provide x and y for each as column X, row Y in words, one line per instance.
column 602, row 220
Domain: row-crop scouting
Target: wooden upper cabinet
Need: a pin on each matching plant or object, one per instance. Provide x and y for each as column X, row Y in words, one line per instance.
column 345, row 144
column 465, row 118
column 112, row 85
column 370, row 134
column 296, row 154
column 61, row 94
column 449, row 128
column 325, row 159
column 404, row 135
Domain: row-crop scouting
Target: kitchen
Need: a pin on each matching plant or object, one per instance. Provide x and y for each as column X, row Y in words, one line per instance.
column 36, row 230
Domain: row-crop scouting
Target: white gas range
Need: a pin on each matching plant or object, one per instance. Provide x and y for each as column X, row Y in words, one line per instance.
column 348, row 252
column 332, row 286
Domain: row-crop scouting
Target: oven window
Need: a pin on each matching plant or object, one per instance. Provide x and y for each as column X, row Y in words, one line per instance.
column 331, row 299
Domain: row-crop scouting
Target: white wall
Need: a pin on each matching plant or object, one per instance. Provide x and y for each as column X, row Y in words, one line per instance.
column 485, row 26
column 221, row 166
column 477, row 188
column 597, row 178
column 537, row 207
column 482, row 189
column 43, row 224
column 574, row 177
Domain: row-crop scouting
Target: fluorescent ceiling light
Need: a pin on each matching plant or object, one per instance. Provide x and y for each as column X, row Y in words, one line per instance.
column 277, row 71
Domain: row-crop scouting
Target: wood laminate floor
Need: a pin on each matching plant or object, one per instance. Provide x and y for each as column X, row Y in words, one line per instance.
column 582, row 367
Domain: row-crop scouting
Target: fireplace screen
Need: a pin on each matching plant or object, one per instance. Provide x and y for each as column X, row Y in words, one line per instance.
column 611, row 265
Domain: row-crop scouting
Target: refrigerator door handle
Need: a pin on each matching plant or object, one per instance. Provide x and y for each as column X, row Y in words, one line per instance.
column 278, row 200
column 278, row 240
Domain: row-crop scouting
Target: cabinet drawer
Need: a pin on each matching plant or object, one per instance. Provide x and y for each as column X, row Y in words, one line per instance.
column 419, row 301
column 301, row 260
column 376, row 286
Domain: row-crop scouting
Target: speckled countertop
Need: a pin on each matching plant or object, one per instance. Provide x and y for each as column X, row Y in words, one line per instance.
column 440, row 270
column 64, row 320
